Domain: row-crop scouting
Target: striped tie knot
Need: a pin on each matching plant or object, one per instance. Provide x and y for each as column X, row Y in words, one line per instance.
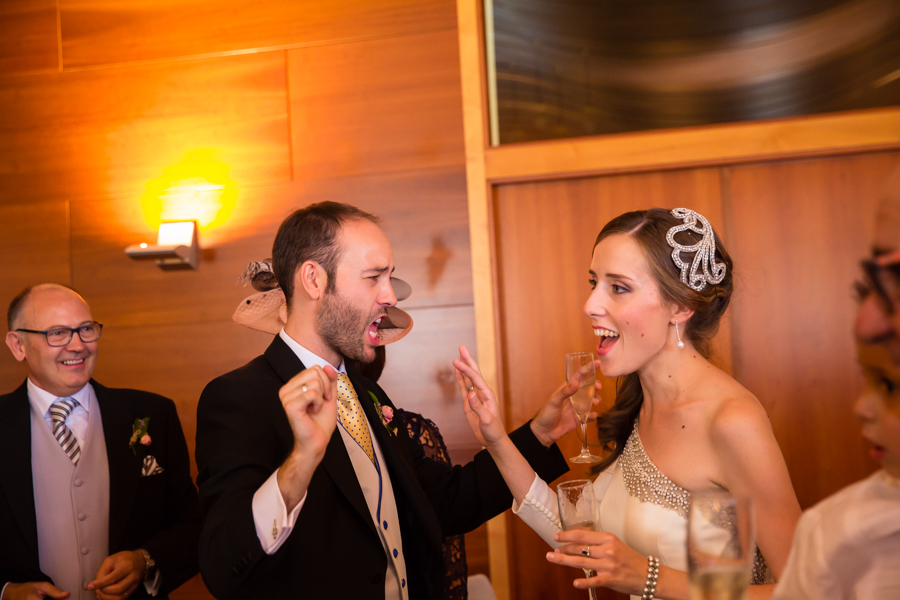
column 59, row 412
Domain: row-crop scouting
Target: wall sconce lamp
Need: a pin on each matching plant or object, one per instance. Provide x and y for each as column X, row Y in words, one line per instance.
column 176, row 246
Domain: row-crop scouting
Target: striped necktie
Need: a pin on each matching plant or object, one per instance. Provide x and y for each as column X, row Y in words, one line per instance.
column 59, row 412
column 352, row 417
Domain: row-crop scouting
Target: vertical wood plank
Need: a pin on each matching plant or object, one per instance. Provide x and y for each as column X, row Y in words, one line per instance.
column 801, row 229
column 374, row 106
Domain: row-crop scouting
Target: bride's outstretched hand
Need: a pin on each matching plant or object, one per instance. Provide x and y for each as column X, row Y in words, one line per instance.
column 615, row 565
column 479, row 401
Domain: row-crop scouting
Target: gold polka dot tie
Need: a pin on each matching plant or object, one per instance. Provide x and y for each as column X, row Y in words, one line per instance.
column 351, row 415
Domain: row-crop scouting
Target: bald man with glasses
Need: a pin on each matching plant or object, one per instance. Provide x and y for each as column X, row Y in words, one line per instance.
column 96, row 496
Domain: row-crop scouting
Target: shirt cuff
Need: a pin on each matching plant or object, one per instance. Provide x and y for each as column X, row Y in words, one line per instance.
column 151, row 585
column 270, row 515
column 4, row 588
column 516, row 507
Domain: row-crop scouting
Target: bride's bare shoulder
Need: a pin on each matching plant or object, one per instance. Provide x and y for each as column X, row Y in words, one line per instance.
column 739, row 417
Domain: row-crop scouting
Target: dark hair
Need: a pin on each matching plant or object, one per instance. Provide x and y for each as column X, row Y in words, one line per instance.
column 18, row 303
column 649, row 228
column 309, row 234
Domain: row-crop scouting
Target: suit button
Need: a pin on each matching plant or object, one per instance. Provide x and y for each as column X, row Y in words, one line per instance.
column 82, row 516
column 375, row 577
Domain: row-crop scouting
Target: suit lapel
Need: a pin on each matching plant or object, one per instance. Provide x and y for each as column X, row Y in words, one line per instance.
column 15, row 468
column 124, row 466
column 336, row 461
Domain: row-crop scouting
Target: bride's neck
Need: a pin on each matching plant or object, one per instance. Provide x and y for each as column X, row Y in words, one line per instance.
column 669, row 378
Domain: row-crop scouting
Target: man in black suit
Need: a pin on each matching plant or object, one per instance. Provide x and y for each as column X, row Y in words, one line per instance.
column 96, row 497
column 307, row 487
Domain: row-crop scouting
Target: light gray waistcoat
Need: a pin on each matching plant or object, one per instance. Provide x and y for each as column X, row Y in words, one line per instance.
column 71, row 504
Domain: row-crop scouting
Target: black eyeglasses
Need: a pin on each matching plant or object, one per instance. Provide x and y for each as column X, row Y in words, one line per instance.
column 883, row 277
column 61, row 336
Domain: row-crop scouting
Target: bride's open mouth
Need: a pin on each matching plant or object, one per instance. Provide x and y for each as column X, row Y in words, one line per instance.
column 608, row 338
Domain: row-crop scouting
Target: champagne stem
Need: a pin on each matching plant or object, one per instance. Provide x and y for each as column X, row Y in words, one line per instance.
column 584, row 443
column 592, row 592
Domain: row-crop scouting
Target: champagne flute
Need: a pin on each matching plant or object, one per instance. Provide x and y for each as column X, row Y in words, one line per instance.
column 580, row 365
column 720, row 546
column 578, row 510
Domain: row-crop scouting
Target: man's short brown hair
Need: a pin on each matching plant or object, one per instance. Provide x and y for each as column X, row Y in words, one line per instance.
column 310, row 233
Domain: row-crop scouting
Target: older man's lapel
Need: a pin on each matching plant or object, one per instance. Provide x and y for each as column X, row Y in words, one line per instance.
column 15, row 467
column 124, row 466
column 336, row 461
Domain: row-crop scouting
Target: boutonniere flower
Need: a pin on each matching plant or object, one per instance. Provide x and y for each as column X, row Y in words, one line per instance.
column 139, row 434
column 385, row 413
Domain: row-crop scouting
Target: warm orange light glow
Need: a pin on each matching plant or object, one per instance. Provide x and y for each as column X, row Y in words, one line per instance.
column 196, row 188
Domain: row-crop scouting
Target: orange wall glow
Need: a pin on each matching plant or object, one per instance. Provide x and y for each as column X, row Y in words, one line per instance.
column 196, row 188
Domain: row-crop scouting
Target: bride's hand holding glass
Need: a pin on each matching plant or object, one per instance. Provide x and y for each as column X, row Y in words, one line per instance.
column 615, row 565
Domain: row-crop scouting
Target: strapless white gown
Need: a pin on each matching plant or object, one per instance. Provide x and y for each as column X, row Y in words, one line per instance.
column 637, row 503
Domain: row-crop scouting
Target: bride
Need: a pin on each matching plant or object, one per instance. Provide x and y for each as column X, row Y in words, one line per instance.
column 660, row 283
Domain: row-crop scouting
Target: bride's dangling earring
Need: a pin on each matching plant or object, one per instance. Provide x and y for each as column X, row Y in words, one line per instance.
column 680, row 343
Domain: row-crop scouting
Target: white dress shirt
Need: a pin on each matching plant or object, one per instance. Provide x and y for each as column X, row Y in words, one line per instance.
column 847, row 547
column 274, row 523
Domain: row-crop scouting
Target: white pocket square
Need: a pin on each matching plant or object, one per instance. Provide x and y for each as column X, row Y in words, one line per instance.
column 150, row 467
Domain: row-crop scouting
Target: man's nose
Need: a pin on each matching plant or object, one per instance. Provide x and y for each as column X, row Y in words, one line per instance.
column 387, row 296
column 872, row 323
column 75, row 344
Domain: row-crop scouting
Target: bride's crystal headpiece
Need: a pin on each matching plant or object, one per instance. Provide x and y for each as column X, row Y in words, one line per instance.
column 705, row 250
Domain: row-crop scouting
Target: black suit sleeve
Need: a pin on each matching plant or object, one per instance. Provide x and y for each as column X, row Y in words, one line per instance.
column 236, row 451
column 466, row 496
column 174, row 548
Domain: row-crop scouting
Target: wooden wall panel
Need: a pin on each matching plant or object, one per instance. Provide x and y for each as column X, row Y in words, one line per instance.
column 34, row 249
column 380, row 105
column 801, row 229
column 111, row 131
column 96, row 32
column 424, row 216
column 545, row 237
column 29, row 40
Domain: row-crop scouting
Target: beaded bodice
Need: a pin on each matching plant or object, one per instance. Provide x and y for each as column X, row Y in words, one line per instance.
column 646, row 483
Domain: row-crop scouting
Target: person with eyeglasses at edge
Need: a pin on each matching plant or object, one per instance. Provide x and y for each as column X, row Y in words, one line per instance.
column 96, row 496
column 848, row 545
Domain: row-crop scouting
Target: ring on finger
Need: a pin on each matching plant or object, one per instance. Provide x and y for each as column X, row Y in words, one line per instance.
column 586, row 551
column 471, row 388
column 303, row 388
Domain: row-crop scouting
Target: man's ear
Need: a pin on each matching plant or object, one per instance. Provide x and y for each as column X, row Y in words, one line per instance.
column 16, row 345
column 312, row 279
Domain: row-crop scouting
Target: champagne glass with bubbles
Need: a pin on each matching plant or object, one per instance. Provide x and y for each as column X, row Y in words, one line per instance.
column 721, row 546
column 580, row 365
column 578, row 511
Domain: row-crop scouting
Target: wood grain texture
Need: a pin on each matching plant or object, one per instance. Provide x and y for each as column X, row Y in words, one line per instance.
column 801, row 229
column 837, row 133
column 382, row 105
column 35, row 249
column 96, row 32
column 29, row 41
column 424, row 216
column 112, row 131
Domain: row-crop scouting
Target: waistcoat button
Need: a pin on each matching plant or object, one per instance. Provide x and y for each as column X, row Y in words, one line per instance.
column 77, row 483
column 85, row 550
column 82, row 516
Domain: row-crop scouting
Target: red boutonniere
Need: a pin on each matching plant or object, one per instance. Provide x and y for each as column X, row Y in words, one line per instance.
column 385, row 413
column 139, row 434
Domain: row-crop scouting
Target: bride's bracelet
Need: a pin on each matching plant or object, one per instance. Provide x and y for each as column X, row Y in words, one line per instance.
column 652, row 577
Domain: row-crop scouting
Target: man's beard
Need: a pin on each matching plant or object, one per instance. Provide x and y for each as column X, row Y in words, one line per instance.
column 343, row 328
